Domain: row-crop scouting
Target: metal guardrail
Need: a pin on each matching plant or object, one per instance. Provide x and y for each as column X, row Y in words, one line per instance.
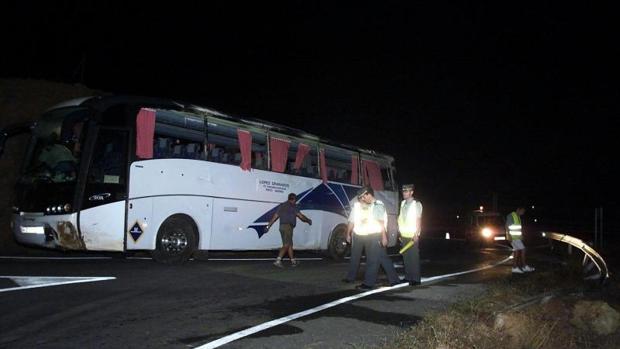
column 588, row 251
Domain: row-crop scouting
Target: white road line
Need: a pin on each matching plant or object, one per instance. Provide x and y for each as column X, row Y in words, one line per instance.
column 54, row 258
column 29, row 282
column 276, row 322
column 149, row 258
column 263, row 259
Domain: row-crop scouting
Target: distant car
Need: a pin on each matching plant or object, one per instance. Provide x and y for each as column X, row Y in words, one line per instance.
column 485, row 227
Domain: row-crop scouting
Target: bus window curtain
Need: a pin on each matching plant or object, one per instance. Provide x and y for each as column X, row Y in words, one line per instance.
column 372, row 174
column 145, row 132
column 302, row 151
column 245, row 146
column 323, row 165
column 354, row 170
column 279, row 154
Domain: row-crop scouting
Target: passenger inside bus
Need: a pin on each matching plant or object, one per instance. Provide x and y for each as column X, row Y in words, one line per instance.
column 161, row 148
column 165, row 147
column 57, row 160
column 193, row 151
column 259, row 161
column 177, row 149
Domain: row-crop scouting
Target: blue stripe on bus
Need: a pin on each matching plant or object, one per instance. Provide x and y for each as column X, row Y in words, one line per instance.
column 334, row 198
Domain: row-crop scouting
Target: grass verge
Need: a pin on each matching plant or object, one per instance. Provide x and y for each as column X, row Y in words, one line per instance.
column 522, row 311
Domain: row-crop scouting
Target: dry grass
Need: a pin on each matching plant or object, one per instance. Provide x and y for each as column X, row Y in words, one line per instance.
column 494, row 321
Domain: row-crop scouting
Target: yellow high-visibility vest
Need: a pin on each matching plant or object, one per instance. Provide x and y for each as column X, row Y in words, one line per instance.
column 515, row 228
column 408, row 226
column 364, row 221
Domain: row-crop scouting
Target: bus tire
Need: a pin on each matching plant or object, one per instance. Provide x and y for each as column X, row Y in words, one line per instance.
column 338, row 247
column 176, row 240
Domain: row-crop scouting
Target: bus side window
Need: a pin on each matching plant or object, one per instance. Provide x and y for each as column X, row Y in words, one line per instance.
column 178, row 135
column 309, row 164
column 386, row 176
column 259, row 149
column 161, row 148
column 109, row 165
column 338, row 164
column 290, row 161
column 223, row 144
column 193, row 151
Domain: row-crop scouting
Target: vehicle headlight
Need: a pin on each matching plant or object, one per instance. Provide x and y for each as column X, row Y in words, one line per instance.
column 487, row 232
column 67, row 207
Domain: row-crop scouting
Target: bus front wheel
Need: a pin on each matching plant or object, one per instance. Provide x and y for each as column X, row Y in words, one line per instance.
column 338, row 247
column 176, row 240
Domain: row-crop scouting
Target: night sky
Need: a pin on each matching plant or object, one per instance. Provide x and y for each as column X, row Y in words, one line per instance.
column 471, row 99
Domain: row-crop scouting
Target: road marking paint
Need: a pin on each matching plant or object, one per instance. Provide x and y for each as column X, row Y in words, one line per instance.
column 149, row 258
column 28, row 282
column 264, row 259
column 276, row 322
column 53, row 258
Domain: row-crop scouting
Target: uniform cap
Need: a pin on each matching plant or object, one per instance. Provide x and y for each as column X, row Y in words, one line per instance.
column 408, row 187
column 365, row 190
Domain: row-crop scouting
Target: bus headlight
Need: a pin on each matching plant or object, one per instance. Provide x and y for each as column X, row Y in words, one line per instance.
column 487, row 232
column 67, row 207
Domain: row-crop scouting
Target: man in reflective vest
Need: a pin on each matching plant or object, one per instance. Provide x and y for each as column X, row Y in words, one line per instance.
column 368, row 220
column 514, row 234
column 409, row 223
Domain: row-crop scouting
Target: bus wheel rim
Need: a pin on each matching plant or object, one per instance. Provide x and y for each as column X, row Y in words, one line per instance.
column 174, row 242
column 341, row 244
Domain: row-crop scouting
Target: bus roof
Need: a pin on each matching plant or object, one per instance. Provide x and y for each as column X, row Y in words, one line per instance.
column 103, row 102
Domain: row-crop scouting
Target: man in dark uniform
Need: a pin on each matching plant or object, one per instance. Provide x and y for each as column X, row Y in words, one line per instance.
column 409, row 222
column 368, row 220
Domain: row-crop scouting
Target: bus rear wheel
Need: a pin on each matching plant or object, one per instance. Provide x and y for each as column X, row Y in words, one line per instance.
column 338, row 247
column 176, row 240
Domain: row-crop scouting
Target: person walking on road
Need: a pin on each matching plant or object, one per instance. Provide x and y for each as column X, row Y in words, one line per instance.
column 288, row 212
column 368, row 221
column 514, row 234
column 409, row 224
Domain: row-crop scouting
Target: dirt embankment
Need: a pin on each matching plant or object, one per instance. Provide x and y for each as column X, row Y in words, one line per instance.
column 550, row 309
column 20, row 101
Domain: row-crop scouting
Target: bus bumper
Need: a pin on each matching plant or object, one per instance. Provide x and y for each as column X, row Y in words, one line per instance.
column 56, row 232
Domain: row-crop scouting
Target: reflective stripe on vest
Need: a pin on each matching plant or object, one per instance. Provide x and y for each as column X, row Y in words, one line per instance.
column 515, row 228
column 407, row 226
column 364, row 220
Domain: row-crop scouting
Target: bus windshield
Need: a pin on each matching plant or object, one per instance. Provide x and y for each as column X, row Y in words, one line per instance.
column 54, row 151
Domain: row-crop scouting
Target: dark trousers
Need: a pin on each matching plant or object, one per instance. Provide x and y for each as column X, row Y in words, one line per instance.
column 357, row 246
column 376, row 255
column 411, row 258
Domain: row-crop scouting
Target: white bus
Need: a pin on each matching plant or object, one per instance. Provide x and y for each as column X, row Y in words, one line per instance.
column 129, row 173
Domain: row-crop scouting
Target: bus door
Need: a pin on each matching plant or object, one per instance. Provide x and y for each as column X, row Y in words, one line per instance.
column 102, row 217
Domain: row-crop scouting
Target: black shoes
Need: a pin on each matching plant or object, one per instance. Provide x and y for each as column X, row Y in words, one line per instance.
column 398, row 282
column 363, row 287
column 412, row 283
column 347, row 281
